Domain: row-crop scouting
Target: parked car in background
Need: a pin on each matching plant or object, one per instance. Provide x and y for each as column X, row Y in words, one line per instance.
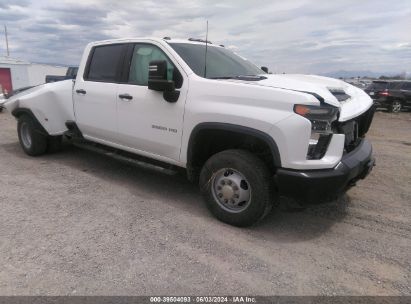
column 393, row 95
column 378, row 86
column 70, row 74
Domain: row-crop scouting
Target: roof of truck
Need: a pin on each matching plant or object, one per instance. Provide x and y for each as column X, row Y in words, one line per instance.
column 165, row 39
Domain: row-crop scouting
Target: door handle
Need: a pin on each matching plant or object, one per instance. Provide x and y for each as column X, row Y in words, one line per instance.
column 125, row 96
column 81, row 91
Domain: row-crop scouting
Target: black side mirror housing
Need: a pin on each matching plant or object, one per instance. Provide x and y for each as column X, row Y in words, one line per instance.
column 157, row 77
column 157, row 80
column 265, row 69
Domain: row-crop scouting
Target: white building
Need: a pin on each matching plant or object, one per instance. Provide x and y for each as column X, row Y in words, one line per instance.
column 16, row 74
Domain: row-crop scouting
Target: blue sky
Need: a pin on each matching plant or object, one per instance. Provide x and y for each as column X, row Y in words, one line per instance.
column 295, row 36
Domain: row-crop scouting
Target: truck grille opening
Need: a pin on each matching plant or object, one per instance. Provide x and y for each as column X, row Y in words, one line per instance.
column 355, row 129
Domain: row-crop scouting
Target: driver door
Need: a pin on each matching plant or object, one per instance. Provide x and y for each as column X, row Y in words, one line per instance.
column 147, row 123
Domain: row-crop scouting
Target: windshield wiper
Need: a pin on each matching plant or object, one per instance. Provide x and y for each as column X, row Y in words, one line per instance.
column 242, row 77
column 223, row 77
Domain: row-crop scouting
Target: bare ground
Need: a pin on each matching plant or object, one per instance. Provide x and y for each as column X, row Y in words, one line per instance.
column 79, row 223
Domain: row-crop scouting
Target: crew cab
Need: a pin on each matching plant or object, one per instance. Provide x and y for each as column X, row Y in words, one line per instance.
column 244, row 135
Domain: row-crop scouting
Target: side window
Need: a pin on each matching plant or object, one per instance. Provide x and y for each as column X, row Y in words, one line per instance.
column 142, row 55
column 104, row 63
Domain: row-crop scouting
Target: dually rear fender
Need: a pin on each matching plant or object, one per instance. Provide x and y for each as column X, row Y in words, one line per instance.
column 51, row 104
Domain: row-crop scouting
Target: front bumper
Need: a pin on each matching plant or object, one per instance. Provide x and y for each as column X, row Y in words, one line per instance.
column 317, row 186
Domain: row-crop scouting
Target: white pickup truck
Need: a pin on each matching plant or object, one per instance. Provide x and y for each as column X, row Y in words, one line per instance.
column 244, row 135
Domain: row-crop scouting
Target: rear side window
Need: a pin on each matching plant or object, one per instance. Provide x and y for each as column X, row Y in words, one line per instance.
column 105, row 63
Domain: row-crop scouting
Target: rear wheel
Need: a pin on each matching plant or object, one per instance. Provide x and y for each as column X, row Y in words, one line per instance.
column 237, row 187
column 31, row 137
column 396, row 106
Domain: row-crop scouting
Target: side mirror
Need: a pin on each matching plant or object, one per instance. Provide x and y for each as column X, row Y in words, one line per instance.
column 157, row 80
column 265, row 69
column 157, row 77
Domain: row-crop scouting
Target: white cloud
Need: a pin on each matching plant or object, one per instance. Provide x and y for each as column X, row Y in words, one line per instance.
column 288, row 36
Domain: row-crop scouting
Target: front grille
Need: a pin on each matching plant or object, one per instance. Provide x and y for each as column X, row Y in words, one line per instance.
column 364, row 121
column 350, row 130
column 355, row 129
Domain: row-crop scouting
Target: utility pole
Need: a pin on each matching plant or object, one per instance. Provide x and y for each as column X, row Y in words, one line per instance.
column 7, row 41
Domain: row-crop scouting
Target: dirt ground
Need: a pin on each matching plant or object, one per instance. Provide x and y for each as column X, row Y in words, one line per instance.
column 79, row 223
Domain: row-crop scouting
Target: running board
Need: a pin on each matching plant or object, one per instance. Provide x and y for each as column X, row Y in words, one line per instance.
column 127, row 157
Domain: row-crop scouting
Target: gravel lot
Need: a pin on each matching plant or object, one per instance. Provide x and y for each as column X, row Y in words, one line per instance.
column 79, row 223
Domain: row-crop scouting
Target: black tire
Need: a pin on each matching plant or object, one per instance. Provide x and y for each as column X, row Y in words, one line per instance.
column 395, row 106
column 31, row 136
column 257, row 178
column 54, row 144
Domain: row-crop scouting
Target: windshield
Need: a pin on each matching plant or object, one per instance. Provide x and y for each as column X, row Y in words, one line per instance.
column 221, row 63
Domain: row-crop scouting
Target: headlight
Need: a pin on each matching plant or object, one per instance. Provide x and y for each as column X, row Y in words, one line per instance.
column 321, row 118
column 322, row 113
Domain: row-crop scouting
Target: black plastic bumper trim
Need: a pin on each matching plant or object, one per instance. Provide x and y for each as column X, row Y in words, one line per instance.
column 318, row 186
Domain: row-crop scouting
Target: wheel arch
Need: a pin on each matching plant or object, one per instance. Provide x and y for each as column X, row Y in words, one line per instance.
column 17, row 112
column 209, row 129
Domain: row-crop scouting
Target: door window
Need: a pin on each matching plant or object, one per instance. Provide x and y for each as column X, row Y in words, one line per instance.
column 105, row 63
column 142, row 55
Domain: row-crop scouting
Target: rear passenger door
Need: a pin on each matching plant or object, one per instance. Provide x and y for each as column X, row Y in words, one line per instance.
column 95, row 93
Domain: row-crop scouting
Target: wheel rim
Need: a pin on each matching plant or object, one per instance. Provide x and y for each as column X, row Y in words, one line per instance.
column 231, row 190
column 25, row 135
column 396, row 106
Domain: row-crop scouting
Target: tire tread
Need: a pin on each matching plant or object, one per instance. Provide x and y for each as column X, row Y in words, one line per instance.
column 39, row 140
column 263, row 183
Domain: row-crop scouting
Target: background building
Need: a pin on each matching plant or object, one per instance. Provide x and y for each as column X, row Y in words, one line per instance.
column 16, row 74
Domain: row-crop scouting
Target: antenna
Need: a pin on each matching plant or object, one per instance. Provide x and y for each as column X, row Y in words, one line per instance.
column 7, row 41
column 205, row 56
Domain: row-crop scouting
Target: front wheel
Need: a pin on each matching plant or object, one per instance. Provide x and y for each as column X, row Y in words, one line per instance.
column 237, row 187
column 31, row 137
column 395, row 107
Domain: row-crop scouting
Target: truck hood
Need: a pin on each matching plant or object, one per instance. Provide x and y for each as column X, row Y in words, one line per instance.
column 351, row 100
